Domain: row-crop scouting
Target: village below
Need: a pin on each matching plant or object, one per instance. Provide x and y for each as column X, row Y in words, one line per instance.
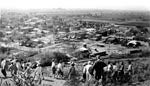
column 44, row 35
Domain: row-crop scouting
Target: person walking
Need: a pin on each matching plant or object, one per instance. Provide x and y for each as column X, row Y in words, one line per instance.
column 53, row 68
column 38, row 75
column 121, row 71
column 129, row 69
column 3, row 65
column 86, row 70
column 24, row 66
column 27, row 72
column 84, row 73
column 115, row 72
column 13, row 69
column 19, row 67
column 60, row 70
column 108, row 71
column 72, row 72
column 129, row 72
column 109, row 67
column 98, row 68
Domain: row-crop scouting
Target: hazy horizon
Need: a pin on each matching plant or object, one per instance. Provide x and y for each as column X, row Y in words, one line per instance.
column 137, row 5
column 68, row 10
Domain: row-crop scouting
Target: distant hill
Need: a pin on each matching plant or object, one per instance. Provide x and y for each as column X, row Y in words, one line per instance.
column 113, row 14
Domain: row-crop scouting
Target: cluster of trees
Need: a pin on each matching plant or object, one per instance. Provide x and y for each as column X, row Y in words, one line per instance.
column 47, row 57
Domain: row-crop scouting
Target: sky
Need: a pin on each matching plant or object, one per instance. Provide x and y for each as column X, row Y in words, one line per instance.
column 76, row 4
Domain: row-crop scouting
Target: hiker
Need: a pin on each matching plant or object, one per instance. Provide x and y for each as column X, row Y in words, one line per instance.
column 24, row 65
column 3, row 65
column 19, row 67
column 38, row 75
column 115, row 72
column 98, row 67
column 129, row 69
column 13, row 69
column 53, row 68
column 72, row 72
column 109, row 67
column 86, row 71
column 121, row 71
column 60, row 70
column 108, row 71
column 27, row 72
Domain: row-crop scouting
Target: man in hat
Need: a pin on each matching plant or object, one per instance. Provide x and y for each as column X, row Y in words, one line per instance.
column 98, row 68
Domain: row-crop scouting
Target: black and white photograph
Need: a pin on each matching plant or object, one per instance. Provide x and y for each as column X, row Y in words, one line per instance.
column 74, row 43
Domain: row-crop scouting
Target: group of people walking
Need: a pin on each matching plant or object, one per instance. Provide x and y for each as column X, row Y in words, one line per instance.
column 57, row 69
column 21, row 69
column 98, row 70
column 111, row 72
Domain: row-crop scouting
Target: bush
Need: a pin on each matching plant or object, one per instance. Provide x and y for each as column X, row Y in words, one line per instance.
column 4, row 50
column 47, row 57
column 145, row 53
column 141, row 72
column 24, row 56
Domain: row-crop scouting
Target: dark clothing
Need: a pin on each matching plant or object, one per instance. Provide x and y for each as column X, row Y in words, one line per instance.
column 121, row 68
column 84, row 76
column 114, row 75
column 121, row 72
column 60, row 72
column 53, row 70
column 98, row 67
column 98, row 75
column 4, row 72
column 72, row 73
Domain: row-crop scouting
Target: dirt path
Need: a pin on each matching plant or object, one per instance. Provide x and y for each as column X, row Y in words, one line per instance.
column 52, row 82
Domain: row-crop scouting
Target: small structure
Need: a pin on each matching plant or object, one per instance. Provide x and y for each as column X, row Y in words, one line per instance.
column 133, row 43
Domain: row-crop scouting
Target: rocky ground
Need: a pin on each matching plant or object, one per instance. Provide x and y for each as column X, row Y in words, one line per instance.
column 48, row 81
